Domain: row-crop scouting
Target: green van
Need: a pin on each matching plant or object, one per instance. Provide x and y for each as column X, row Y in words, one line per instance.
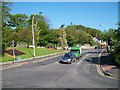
column 77, row 51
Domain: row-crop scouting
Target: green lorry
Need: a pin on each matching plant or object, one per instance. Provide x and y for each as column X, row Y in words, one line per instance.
column 77, row 51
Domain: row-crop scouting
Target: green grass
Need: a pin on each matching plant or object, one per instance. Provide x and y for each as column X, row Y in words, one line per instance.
column 29, row 53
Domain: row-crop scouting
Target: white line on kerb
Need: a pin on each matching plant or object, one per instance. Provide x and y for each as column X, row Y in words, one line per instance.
column 83, row 59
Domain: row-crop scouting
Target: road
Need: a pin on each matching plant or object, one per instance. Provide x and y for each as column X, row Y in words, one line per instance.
column 52, row 74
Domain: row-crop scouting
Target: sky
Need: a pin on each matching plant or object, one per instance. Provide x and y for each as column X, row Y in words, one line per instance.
column 89, row 14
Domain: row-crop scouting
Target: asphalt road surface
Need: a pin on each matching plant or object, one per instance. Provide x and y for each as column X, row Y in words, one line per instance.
column 52, row 74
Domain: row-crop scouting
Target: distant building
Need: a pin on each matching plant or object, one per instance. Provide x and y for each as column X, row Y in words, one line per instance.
column 96, row 39
column 102, row 43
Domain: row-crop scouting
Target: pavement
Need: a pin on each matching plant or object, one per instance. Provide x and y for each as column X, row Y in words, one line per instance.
column 109, row 66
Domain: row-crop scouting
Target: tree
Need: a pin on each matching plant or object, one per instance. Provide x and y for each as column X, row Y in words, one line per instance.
column 55, row 37
column 117, row 44
column 5, row 15
column 25, row 35
column 9, row 35
column 41, row 29
column 76, row 35
column 62, row 37
column 109, row 33
column 71, row 35
column 18, row 21
column 5, row 6
column 91, row 31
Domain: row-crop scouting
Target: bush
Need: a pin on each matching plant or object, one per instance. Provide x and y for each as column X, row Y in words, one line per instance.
column 117, row 54
column 50, row 45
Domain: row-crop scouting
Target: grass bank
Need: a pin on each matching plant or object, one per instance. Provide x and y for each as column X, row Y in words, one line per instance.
column 29, row 53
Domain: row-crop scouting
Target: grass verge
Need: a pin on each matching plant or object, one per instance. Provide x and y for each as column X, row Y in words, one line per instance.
column 29, row 53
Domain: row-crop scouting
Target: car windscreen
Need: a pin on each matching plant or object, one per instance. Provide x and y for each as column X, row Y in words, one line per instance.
column 68, row 55
column 74, row 51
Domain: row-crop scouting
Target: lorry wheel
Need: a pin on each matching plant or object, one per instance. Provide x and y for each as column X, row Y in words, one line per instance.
column 77, row 57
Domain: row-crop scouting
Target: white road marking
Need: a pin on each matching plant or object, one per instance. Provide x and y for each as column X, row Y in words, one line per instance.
column 56, row 62
column 83, row 59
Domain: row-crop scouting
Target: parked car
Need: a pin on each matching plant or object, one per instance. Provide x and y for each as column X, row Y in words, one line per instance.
column 68, row 58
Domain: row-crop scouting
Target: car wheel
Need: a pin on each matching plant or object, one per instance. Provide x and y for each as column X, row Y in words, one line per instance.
column 60, row 61
column 74, row 60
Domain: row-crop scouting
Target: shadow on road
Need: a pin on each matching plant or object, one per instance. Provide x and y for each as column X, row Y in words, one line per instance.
column 63, row 62
column 105, row 59
column 93, row 60
column 109, row 60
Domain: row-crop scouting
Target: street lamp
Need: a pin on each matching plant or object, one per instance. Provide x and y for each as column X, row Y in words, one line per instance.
column 33, row 34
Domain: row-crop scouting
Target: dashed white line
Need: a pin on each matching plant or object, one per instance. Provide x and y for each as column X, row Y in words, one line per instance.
column 83, row 59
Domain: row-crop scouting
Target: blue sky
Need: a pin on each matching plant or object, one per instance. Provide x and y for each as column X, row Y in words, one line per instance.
column 90, row 14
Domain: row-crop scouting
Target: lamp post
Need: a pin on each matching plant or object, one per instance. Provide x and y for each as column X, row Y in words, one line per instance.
column 33, row 33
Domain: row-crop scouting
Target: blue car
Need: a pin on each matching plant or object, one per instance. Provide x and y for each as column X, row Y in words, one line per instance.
column 68, row 58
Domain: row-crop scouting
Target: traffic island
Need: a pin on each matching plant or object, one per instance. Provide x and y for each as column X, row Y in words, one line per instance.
column 111, row 71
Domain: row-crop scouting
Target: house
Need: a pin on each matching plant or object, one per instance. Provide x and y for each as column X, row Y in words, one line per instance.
column 103, row 44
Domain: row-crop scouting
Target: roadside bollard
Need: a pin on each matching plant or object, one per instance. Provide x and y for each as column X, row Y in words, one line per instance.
column 14, row 58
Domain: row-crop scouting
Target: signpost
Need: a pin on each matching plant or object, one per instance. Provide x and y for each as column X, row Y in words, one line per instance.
column 13, row 44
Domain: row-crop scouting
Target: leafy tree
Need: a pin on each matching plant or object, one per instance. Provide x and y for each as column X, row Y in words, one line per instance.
column 71, row 40
column 41, row 29
column 55, row 37
column 25, row 35
column 18, row 21
column 48, row 39
column 9, row 35
column 91, row 31
column 62, row 37
column 109, row 33
column 115, row 35
column 71, row 35
column 76, row 35
column 5, row 12
column 117, row 44
column 5, row 15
